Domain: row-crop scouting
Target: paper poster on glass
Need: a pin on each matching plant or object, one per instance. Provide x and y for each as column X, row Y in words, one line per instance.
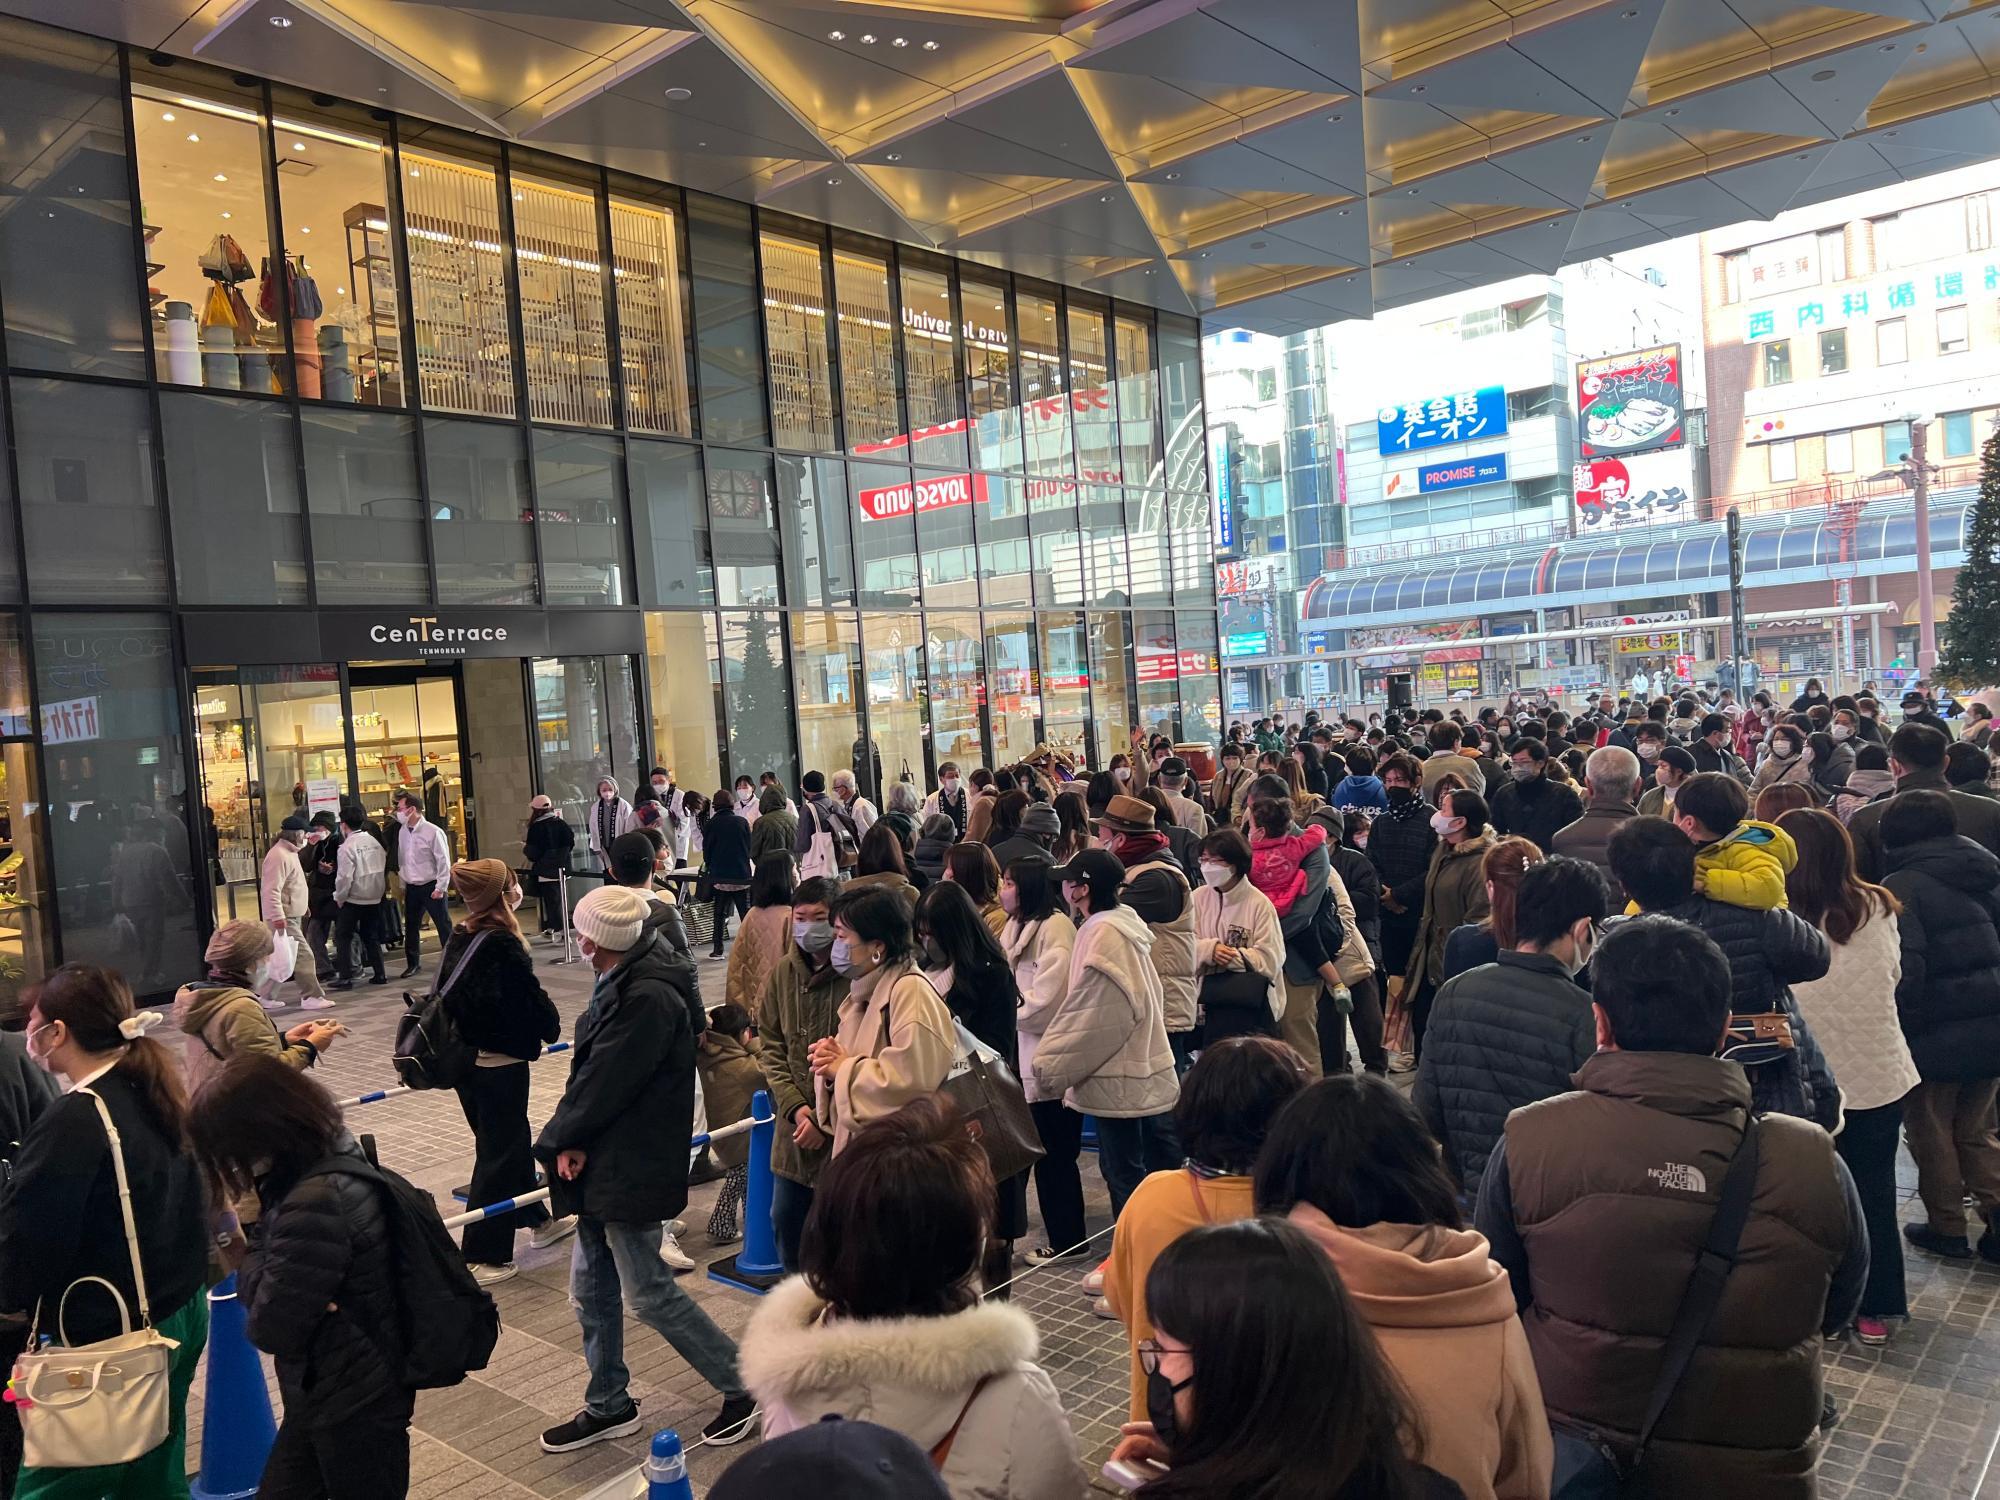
column 1630, row 403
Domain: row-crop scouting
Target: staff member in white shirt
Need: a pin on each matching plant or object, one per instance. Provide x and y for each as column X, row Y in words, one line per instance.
column 423, row 859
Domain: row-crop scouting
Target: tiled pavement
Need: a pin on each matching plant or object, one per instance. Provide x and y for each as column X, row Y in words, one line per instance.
column 1920, row 1418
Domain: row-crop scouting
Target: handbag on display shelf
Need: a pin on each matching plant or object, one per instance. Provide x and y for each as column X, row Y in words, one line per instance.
column 102, row 1403
column 224, row 261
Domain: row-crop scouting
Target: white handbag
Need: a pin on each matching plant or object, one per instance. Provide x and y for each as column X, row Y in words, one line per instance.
column 102, row 1403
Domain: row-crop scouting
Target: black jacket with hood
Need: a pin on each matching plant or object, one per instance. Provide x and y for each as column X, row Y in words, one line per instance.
column 1949, row 995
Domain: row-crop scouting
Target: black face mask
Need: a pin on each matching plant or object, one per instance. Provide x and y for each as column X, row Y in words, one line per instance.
column 1160, row 1393
column 1398, row 795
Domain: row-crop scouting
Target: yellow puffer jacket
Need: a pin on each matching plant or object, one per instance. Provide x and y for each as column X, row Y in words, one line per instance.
column 1747, row 866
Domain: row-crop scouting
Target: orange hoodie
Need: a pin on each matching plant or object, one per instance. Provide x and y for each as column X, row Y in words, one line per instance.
column 1443, row 1313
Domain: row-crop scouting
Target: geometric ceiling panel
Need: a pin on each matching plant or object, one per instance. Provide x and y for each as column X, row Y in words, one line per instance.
column 1281, row 162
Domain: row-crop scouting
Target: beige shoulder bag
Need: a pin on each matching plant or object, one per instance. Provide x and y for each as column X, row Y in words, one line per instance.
column 101, row 1403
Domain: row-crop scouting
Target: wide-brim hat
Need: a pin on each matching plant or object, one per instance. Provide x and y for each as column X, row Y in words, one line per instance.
column 1126, row 815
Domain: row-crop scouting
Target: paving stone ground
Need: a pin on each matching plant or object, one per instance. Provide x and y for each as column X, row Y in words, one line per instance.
column 1919, row 1419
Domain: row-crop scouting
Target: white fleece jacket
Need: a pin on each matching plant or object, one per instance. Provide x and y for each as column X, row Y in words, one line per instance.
column 1242, row 918
column 1039, row 954
column 916, row 1375
column 1106, row 1047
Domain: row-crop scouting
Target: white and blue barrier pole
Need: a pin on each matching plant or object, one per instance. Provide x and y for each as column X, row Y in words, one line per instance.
column 237, row 1428
column 756, row 1267
column 376, row 1096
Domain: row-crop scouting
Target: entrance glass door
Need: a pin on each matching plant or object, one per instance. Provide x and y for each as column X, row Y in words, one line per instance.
column 406, row 739
column 586, row 726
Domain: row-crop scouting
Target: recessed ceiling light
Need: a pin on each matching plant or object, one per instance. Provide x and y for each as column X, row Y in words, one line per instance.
column 1408, row 264
column 221, row 177
column 303, row 229
column 1149, row 270
column 899, row 41
column 283, row 23
column 1335, row 119
column 893, row 156
column 226, row 214
column 1103, row 197
column 1671, row 113
column 1583, row 140
column 1890, row 135
column 1409, row 192
column 193, row 137
column 836, row 36
column 1629, row 15
column 1173, row 177
column 168, row 116
column 1825, row 75
column 867, row 38
column 1258, row 244
column 1887, row 47
column 1342, row 214
column 1418, row 88
column 833, row 182
column 1803, row 156
column 298, row 145
column 677, row 93
column 930, row 46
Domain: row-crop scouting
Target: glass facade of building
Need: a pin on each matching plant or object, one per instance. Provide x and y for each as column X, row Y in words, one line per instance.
column 277, row 366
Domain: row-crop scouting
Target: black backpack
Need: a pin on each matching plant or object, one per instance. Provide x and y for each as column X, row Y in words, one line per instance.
column 430, row 1053
column 449, row 1322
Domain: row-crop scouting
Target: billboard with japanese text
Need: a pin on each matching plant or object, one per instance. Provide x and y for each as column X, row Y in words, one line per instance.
column 1630, row 403
column 1893, row 294
column 1437, row 420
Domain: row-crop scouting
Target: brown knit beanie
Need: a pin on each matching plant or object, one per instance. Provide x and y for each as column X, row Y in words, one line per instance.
column 237, row 946
column 481, row 882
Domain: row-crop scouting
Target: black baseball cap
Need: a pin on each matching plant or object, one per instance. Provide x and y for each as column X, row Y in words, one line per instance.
column 834, row 1460
column 1091, row 862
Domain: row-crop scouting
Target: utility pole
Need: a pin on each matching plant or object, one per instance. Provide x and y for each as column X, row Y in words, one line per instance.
column 1920, row 489
column 1736, row 643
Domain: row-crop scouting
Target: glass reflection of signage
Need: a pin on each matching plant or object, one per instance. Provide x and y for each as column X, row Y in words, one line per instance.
column 70, row 722
column 1247, row 643
column 940, row 493
column 1167, row 666
column 1438, row 420
column 1066, row 681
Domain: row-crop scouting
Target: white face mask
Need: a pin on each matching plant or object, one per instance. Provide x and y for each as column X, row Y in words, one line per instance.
column 950, row 784
column 1784, row 749
column 1216, row 876
column 513, row 898
column 744, row 796
column 1841, row 732
column 1650, row 750
column 1123, row 773
column 660, row 787
column 1444, row 824
column 607, row 793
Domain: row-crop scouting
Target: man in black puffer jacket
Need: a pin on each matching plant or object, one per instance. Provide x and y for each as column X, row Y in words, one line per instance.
column 1949, row 1001
column 1528, row 804
column 1768, row 952
column 1512, row 1032
column 1400, row 842
column 617, row 1152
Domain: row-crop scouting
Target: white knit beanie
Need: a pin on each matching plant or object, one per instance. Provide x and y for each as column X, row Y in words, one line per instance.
column 612, row 917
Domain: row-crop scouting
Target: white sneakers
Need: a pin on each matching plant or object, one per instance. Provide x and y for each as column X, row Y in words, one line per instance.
column 1093, row 1284
column 494, row 1275
column 316, row 1002
column 552, row 1231
column 676, row 1258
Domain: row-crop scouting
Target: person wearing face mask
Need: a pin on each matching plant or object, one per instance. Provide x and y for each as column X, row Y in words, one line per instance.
column 317, row 860
column 1454, row 894
column 765, row 933
column 285, row 898
column 887, row 1323
column 949, row 799
column 1239, row 947
column 360, row 882
column 423, row 860
column 617, row 1153
column 546, row 846
column 744, row 800
column 1649, row 743
column 1230, row 785
column 608, row 816
column 800, row 1006
column 63, row 1223
column 725, row 857
column 1530, row 804
column 895, row 1041
column 680, row 826
column 1400, row 842
column 1037, row 941
column 1674, row 767
column 1512, row 1031
column 492, row 996
column 220, row 1015
column 1786, row 761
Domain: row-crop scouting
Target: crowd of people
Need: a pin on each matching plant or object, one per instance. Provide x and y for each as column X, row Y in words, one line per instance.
column 1484, row 1106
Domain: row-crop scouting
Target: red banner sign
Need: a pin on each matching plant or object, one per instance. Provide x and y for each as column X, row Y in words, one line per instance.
column 941, row 493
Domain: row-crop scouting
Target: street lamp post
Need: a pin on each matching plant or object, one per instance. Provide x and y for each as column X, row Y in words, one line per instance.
column 1920, row 489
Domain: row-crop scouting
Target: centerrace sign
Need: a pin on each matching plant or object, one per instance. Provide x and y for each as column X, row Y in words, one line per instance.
column 443, row 635
column 432, row 639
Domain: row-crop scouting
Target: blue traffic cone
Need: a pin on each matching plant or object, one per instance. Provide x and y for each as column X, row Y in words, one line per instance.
column 756, row 1267
column 237, row 1428
column 666, row 1468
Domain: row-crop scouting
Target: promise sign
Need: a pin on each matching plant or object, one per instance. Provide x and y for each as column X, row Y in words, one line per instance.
column 941, row 492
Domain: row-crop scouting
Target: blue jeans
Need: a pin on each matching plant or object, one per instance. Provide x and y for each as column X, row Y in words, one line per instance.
column 614, row 1264
column 1129, row 1149
column 790, row 1203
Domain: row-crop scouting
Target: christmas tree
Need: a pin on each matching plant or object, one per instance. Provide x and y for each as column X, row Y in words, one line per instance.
column 1970, row 654
column 760, row 706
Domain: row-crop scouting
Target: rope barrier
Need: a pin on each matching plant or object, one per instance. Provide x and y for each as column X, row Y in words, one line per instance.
column 375, row 1096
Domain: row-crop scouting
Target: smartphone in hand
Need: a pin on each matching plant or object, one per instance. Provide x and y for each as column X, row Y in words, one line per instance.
column 1130, row 1473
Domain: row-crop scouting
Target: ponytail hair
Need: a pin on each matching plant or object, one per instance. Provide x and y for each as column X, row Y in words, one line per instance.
column 93, row 1002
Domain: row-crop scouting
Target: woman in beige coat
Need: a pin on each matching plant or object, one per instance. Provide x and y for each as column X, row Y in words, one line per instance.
column 896, row 1039
column 1454, row 894
column 1350, row 1162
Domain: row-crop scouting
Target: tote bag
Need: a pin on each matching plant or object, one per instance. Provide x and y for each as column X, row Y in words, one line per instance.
column 102, row 1403
column 989, row 1098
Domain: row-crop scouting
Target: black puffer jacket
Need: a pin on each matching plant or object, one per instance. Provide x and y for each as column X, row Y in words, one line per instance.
column 495, row 999
column 1536, row 810
column 629, row 1102
column 322, row 1240
column 1501, row 1036
column 547, row 845
column 725, row 847
column 1768, row 952
column 1399, row 847
column 1949, row 995
column 1364, row 890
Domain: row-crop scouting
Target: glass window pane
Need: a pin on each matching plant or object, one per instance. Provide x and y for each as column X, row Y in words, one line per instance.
column 1090, row 396
column 201, row 179
column 564, row 343
column 867, row 351
column 1105, row 543
column 118, row 794
column 482, row 530
column 86, row 463
column 898, row 713
column 1044, row 390
column 1156, row 664
column 233, row 496
column 586, row 727
column 1181, row 408
column 1138, row 436
column 1005, row 552
column 670, row 516
column 333, row 188
column 727, row 340
column 1064, row 681
column 745, row 527
column 1012, row 697
column 795, row 338
column 1148, row 539
column 958, row 685
column 680, row 668
column 580, row 492
column 937, row 413
column 989, row 374
column 458, row 284
column 652, row 320
column 10, row 555
column 1058, row 543
column 826, row 666
column 25, row 940
column 885, row 534
column 1111, row 682
column 818, row 544
column 1190, row 523
column 758, row 692
column 1200, row 682
column 368, row 539
column 67, row 277
column 944, row 506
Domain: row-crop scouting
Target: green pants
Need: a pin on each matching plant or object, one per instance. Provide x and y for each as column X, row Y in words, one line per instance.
column 160, row 1474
